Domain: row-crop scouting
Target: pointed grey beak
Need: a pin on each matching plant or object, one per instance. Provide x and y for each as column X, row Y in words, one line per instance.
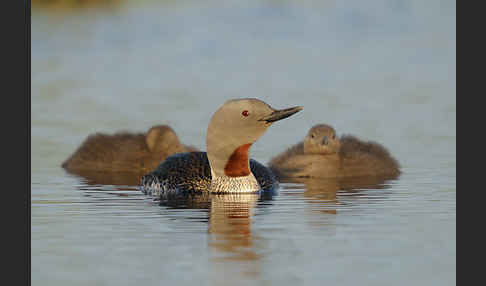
column 281, row 114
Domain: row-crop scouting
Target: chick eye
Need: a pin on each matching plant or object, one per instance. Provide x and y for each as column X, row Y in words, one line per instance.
column 312, row 135
column 245, row 113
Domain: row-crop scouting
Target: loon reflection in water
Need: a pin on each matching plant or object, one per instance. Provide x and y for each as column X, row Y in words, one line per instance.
column 229, row 220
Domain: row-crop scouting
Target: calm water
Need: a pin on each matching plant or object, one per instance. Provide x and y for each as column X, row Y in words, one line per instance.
column 381, row 70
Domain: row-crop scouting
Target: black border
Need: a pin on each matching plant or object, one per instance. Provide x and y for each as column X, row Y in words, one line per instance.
column 16, row 122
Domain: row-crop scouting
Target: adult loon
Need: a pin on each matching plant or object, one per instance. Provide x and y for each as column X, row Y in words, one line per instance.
column 323, row 155
column 125, row 151
column 225, row 167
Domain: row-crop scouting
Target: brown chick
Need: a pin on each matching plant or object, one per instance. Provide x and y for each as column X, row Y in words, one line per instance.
column 323, row 155
column 127, row 152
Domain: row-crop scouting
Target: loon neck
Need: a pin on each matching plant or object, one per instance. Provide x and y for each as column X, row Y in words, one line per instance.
column 226, row 184
column 238, row 163
column 231, row 172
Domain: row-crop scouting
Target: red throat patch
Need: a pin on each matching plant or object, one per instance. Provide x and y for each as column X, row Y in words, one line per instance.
column 237, row 165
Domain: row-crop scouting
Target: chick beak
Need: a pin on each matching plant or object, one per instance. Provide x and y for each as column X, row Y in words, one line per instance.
column 324, row 140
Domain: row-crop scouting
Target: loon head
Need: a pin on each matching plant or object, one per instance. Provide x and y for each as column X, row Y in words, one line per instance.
column 233, row 128
column 321, row 139
column 161, row 138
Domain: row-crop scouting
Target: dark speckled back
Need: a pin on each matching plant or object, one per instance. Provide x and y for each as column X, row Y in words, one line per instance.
column 191, row 172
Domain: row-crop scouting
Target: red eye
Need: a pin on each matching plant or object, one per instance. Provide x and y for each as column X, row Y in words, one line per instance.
column 245, row 113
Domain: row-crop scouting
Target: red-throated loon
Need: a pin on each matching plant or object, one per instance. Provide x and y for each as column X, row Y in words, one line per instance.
column 225, row 167
column 323, row 155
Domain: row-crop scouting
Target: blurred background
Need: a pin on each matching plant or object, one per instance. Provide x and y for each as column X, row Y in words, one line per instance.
column 381, row 70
